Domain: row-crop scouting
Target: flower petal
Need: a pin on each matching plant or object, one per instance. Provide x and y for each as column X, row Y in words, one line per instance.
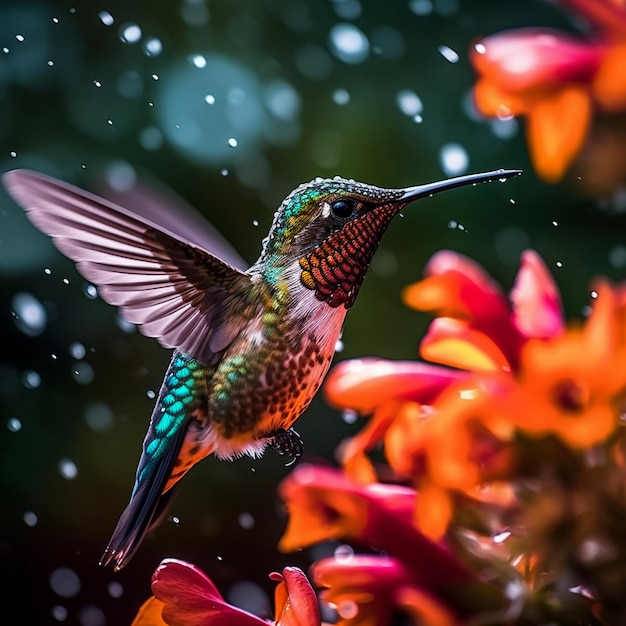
column 609, row 85
column 295, row 601
column 364, row 384
column 557, row 128
column 537, row 309
column 191, row 599
column 532, row 61
column 150, row 613
column 454, row 343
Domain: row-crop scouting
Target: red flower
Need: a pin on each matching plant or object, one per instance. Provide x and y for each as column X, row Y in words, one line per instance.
column 555, row 80
column 186, row 596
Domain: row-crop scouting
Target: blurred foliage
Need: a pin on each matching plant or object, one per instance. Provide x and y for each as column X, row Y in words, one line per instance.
column 79, row 101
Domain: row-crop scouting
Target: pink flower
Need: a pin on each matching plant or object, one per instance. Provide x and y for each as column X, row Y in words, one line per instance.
column 186, row 596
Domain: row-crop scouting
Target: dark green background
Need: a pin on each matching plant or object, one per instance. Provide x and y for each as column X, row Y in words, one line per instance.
column 54, row 119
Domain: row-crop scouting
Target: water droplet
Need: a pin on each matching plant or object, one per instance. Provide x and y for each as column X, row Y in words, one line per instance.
column 20, row 38
column 409, row 102
column 91, row 616
column 14, row 424
column 5, row 50
column 50, row 63
column 555, row 223
column 99, row 417
column 421, row 7
column 246, row 520
column 348, row 609
column 12, row 154
column 198, row 61
column 559, row 264
column 106, row 18
column 65, row 582
column 66, row 281
column 341, row 97
column 452, row 224
column 31, row 379
column 77, row 350
column 130, row 33
column 91, row 292
column 339, row 345
column 511, row 200
column 448, row 54
column 224, row 172
column 82, row 373
column 47, row 271
column 349, row 416
column 232, row 142
column 480, row 48
column 343, row 552
column 127, row 327
column 115, row 589
column 454, row 159
column 30, row 519
column 175, row 520
column 67, row 468
column 30, row 315
column 97, row 83
column 153, row 47
column 155, row 77
column 59, row 613
column 348, row 43
column 209, row 99
column 594, row 294
column 500, row 537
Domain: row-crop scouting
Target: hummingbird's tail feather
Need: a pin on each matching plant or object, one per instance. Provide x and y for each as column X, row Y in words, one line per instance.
column 147, row 506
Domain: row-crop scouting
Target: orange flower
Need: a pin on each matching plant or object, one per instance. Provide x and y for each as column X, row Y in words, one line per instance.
column 555, row 80
column 574, row 385
column 381, row 387
column 186, row 596
column 478, row 328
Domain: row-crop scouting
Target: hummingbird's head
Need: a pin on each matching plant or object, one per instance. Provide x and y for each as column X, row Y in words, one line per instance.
column 331, row 228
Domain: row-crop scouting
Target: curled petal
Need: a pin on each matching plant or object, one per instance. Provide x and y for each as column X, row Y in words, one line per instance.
column 456, row 286
column 150, row 613
column 455, row 343
column 294, row 599
column 532, row 60
column 557, row 128
column 191, row 599
column 364, row 384
column 537, row 309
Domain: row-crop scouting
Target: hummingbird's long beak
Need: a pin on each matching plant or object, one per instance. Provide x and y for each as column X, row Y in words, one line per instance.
column 420, row 191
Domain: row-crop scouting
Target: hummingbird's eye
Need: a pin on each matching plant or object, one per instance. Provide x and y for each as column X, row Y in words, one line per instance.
column 342, row 208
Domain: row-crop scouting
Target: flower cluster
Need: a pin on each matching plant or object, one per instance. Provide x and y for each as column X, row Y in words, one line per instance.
column 556, row 80
column 500, row 494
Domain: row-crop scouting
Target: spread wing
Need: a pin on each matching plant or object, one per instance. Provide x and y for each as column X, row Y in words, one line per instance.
column 175, row 291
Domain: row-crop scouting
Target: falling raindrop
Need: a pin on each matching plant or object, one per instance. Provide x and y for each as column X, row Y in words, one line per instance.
column 91, row 292
column 130, row 33
column 59, row 613
column 99, row 417
column 91, row 616
column 65, row 582
column 339, row 345
column 341, row 97
column 106, row 18
column 77, row 350
column 448, row 54
column 82, row 372
column 409, row 102
column 30, row 519
column 14, row 424
column 153, row 47
column 246, row 520
column 232, row 142
column 30, row 315
column 559, row 264
column 348, row 43
column 343, row 552
column 67, row 468
column 115, row 589
column 209, row 99
column 454, row 159
column 349, row 416
column 31, row 379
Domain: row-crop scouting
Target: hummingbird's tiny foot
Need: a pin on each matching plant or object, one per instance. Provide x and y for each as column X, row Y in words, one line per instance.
column 286, row 443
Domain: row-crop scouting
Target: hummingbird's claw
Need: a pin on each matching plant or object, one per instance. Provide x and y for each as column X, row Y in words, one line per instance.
column 286, row 443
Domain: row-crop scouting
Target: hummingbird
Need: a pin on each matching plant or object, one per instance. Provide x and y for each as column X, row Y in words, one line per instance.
column 251, row 347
